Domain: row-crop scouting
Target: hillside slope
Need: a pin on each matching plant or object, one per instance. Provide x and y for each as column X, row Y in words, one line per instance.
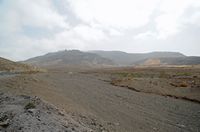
column 123, row 58
column 7, row 65
column 189, row 60
column 70, row 58
column 23, row 113
column 76, row 58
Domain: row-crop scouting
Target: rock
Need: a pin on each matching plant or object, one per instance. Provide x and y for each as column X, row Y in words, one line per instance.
column 181, row 125
column 31, row 111
column 93, row 123
column 61, row 113
column 117, row 123
column 25, row 96
column 109, row 123
column 30, row 105
column 5, row 123
column 31, row 118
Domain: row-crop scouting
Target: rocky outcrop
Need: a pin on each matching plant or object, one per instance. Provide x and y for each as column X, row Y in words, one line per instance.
column 31, row 114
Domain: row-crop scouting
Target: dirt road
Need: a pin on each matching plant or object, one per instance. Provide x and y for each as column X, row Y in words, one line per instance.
column 116, row 108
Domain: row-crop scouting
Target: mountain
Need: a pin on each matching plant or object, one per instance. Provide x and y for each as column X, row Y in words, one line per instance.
column 76, row 58
column 123, row 58
column 189, row 60
column 69, row 58
column 8, row 65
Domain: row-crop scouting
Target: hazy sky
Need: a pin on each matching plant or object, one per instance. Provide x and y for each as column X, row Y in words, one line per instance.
column 33, row 27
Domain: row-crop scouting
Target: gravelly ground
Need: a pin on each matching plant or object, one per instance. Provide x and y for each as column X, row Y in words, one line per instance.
column 104, row 107
column 15, row 116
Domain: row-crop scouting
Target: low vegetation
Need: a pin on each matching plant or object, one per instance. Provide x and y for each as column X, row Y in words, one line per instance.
column 30, row 105
column 160, row 80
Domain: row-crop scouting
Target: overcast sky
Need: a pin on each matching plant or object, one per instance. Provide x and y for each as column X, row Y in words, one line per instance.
column 30, row 28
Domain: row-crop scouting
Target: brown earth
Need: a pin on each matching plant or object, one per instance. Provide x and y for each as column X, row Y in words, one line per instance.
column 7, row 65
column 97, row 99
column 177, row 82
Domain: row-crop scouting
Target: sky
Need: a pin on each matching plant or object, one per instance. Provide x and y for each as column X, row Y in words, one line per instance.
column 29, row 28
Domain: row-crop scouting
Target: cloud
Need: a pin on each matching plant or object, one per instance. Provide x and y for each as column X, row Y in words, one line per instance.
column 114, row 13
column 130, row 14
column 79, row 37
column 145, row 35
column 16, row 14
column 171, row 19
column 41, row 26
column 88, row 33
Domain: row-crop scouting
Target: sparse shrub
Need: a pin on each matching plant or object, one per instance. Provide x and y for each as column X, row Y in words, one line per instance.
column 183, row 74
column 30, row 105
column 130, row 75
column 115, row 81
column 179, row 84
column 138, row 75
column 195, row 76
column 33, row 71
column 163, row 74
column 122, row 74
column 173, row 84
column 183, row 85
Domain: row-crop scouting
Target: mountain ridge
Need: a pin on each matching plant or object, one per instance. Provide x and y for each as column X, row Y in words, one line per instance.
column 123, row 58
column 69, row 57
column 99, row 58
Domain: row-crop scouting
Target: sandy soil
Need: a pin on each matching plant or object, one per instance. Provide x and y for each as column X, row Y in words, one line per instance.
column 104, row 107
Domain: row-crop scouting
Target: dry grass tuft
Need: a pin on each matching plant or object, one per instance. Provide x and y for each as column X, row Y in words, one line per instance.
column 179, row 84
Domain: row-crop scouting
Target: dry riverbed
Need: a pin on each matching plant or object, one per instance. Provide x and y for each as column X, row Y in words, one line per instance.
column 90, row 99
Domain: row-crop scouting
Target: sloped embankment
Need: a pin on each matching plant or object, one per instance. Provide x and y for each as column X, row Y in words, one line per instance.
column 25, row 113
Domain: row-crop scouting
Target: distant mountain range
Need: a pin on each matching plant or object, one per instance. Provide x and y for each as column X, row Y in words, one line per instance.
column 70, row 58
column 111, row 58
column 123, row 58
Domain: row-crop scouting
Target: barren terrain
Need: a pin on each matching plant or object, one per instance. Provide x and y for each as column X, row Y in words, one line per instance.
column 23, row 113
column 178, row 82
column 97, row 100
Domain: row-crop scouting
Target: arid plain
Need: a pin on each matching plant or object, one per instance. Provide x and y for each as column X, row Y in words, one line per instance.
column 118, row 99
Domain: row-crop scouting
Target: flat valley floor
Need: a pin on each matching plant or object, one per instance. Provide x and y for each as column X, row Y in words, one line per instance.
column 98, row 100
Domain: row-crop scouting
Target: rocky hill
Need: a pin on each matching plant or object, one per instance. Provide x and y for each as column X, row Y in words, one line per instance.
column 190, row 60
column 7, row 65
column 70, row 58
column 169, row 61
column 123, row 58
column 76, row 58
column 153, row 58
